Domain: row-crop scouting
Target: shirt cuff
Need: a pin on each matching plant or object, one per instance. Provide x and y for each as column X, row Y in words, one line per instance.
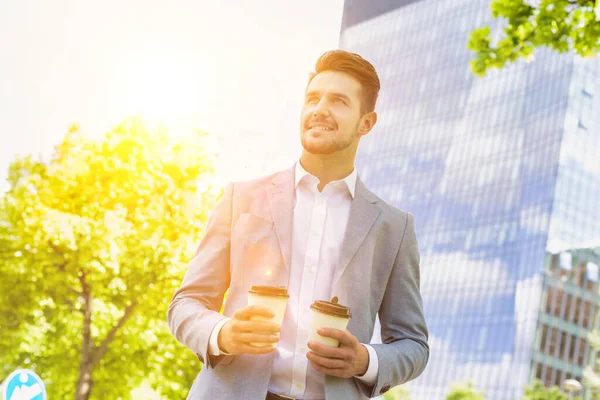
column 370, row 377
column 213, row 341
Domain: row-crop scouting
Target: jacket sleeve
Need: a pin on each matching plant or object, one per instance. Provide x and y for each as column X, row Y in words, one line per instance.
column 404, row 351
column 194, row 309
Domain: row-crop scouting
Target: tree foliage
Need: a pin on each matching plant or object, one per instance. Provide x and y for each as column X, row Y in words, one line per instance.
column 464, row 391
column 397, row 393
column 591, row 376
column 537, row 391
column 562, row 25
column 93, row 244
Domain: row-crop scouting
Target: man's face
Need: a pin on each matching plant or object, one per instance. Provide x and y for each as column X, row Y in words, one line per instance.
column 331, row 115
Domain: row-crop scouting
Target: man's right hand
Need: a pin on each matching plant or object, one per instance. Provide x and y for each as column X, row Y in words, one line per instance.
column 237, row 333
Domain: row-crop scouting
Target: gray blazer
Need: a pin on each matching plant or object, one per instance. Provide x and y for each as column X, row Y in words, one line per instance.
column 251, row 228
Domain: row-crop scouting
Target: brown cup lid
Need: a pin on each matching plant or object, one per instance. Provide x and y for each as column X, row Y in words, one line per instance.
column 331, row 308
column 278, row 291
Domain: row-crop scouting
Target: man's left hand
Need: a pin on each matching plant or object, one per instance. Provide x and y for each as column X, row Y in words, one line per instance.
column 349, row 359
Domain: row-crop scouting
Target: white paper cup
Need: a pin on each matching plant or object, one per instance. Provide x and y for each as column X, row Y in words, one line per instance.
column 327, row 314
column 275, row 299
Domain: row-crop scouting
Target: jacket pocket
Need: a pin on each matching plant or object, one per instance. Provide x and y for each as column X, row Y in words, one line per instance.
column 255, row 251
column 250, row 222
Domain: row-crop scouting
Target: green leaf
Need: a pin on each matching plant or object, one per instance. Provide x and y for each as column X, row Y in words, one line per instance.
column 562, row 25
column 119, row 217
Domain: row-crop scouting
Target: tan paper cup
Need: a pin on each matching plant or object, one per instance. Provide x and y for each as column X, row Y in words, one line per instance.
column 274, row 298
column 328, row 314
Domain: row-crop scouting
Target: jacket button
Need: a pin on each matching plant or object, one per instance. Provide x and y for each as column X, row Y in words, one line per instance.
column 384, row 389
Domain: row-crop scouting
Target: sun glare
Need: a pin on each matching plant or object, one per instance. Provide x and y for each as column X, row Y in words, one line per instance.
column 165, row 87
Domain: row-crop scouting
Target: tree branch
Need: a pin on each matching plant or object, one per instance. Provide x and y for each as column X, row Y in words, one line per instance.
column 100, row 350
column 85, row 367
column 583, row 3
column 87, row 319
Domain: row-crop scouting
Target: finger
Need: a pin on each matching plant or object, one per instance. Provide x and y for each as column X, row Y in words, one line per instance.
column 329, row 363
column 255, row 327
column 344, row 337
column 327, row 351
column 243, row 348
column 327, row 371
column 251, row 311
column 255, row 338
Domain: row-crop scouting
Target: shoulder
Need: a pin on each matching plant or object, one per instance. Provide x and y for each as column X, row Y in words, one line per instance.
column 255, row 182
column 394, row 215
column 398, row 223
column 399, row 216
column 259, row 183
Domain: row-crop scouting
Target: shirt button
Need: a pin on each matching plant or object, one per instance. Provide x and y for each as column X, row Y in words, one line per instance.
column 315, row 233
column 299, row 385
column 303, row 350
column 311, row 270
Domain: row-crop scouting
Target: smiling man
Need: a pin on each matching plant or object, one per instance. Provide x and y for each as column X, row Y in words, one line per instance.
column 316, row 230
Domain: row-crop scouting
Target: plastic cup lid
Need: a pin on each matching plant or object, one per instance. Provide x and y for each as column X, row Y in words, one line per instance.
column 278, row 291
column 331, row 308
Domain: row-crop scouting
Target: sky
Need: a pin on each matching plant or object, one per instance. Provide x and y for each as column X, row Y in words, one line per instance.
column 234, row 68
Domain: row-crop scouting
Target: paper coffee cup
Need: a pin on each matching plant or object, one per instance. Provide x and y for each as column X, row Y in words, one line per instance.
column 328, row 314
column 274, row 298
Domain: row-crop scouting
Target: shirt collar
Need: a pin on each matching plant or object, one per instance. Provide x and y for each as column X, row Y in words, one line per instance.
column 350, row 180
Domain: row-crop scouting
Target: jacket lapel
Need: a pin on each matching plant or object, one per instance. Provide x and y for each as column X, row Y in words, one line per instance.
column 363, row 213
column 281, row 201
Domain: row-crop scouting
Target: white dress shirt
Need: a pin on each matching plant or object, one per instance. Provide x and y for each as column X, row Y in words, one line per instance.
column 319, row 225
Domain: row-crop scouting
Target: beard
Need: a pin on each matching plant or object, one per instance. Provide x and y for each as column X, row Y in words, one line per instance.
column 326, row 144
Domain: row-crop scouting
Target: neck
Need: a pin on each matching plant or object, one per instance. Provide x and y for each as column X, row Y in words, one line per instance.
column 327, row 167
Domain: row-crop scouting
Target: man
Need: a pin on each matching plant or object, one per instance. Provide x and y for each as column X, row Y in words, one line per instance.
column 316, row 230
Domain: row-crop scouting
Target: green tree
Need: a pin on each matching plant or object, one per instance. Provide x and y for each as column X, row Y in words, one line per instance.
column 93, row 244
column 562, row 25
column 397, row 393
column 464, row 391
column 537, row 391
column 591, row 376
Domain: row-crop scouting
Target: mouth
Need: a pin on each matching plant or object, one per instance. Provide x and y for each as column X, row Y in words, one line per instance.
column 319, row 126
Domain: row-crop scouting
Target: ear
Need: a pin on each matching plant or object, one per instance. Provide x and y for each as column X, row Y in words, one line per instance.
column 367, row 123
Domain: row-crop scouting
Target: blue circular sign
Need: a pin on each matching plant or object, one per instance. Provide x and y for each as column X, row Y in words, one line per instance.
column 24, row 384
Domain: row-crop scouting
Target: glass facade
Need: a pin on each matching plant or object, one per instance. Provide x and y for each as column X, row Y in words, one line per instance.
column 497, row 171
column 570, row 305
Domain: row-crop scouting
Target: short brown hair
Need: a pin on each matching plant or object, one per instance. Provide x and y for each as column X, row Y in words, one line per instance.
column 355, row 66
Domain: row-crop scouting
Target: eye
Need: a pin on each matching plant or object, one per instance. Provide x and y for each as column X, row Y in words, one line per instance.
column 311, row 100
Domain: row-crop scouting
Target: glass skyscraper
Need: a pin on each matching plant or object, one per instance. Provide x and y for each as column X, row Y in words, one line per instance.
column 569, row 310
column 501, row 174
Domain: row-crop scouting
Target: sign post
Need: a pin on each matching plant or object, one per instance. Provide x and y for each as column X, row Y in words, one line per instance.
column 23, row 384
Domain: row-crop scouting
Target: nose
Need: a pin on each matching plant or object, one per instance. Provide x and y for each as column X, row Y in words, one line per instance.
column 321, row 109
